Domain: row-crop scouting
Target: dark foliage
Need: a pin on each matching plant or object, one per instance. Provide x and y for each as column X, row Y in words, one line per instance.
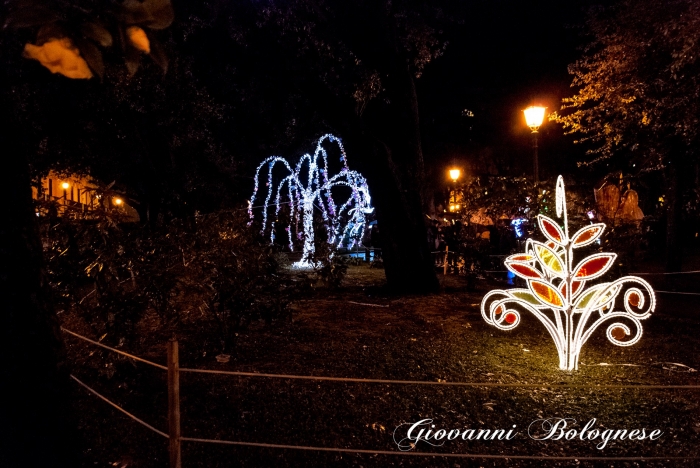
column 207, row 271
column 329, row 267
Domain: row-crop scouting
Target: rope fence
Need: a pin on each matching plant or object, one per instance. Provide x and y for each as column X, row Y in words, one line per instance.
column 175, row 438
column 140, row 421
column 114, row 350
column 445, row 264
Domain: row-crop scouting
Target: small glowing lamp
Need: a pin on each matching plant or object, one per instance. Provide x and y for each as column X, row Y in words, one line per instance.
column 118, row 201
column 534, row 115
column 65, row 185
column 454, row 174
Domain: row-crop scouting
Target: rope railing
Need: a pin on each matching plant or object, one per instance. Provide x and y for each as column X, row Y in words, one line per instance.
column 432, row 383
column 425, row 454
column 114, row 350
column 446, row 253
column 175, row 437
column 668, row 273
column 367, row 451
column 138, row 420
column 386, row 381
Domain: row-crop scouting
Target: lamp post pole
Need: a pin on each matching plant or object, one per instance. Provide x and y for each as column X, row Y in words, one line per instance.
column 534, row 115
column 536, row 160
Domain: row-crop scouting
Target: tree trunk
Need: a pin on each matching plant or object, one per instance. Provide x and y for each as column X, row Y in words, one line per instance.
column 385, row 146
column 396, row 182
column 34, row 381
column 674, row 212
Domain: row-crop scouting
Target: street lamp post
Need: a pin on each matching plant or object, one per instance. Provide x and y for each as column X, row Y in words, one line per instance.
column 454, row 175
column 534, row 115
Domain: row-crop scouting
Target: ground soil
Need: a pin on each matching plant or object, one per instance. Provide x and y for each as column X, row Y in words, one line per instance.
column 440, row 337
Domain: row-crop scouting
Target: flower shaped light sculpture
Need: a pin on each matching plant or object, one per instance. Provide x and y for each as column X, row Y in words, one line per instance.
column 309, row 186
column 560, row 294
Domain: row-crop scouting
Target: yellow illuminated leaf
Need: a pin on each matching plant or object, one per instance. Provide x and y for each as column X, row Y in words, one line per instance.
column 549, row 259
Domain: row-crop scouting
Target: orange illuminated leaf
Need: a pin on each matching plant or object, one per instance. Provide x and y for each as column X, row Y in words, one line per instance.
column 594, row 266
column 523, row 270
column 60, row 56
column 587, row 235
column 551, row 230
column 546, row 293
column 138, row 39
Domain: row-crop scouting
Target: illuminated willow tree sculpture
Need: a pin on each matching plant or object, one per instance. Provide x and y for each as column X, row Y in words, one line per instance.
column 557, row 294
column 310, row 186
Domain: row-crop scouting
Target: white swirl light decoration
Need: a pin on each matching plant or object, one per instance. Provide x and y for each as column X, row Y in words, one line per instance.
column 309, row 185
column 556, row 292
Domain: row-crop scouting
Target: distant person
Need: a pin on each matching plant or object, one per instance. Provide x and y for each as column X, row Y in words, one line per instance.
column 375, row 241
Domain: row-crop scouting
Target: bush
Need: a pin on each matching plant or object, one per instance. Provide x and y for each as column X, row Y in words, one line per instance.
column 329, row 267
column 210, row 267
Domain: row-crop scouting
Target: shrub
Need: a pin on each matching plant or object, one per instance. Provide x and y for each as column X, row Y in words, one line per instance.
column 210, row 267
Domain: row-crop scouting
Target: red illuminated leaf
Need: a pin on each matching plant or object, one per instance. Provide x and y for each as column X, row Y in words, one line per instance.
column 520, row 258
column 618, row 333
column 546, row 293
column 587, row 235
column 594, row 266
column 510, row 318
column 551, row 230
column 575, row 287
column 523, row 270
column 634, row 299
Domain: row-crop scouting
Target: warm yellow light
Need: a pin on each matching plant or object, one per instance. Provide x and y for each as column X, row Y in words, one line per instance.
column 452, row 207
column 117, row 201
column 457, row 207
column 454, row 174
column 534, row 115
column 65, row 185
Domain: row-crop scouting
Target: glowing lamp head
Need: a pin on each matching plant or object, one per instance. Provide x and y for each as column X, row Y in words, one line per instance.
column 534, row 115
column 118, row 201
column 65, row 185
column 454, row 174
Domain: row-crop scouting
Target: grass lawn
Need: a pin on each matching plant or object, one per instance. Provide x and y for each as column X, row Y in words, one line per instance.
column 440, row 337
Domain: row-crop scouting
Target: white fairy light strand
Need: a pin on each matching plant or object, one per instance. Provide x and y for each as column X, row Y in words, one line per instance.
column 555, row 292
column 346, row 221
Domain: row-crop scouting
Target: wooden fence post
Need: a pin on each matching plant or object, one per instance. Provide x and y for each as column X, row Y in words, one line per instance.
column 444, row 272
column 174, row 404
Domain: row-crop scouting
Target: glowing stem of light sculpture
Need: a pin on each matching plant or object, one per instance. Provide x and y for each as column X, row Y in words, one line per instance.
column 305, row 193
column 556, row 295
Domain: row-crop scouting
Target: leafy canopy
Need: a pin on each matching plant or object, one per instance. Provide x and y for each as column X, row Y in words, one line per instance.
column 638, row 82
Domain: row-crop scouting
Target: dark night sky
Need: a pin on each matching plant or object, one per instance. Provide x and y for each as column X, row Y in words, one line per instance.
column 506, row 56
